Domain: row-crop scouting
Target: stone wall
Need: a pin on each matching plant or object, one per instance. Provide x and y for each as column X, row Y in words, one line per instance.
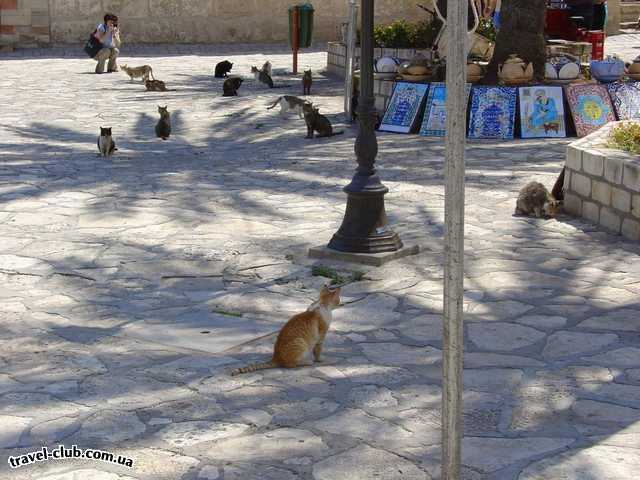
column 603, row 185
column 24, row 22
column 207, row 21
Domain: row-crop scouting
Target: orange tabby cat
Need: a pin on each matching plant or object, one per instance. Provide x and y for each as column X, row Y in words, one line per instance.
column 301, row 337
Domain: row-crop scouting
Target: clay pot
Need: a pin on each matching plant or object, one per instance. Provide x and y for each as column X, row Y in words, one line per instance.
column 475, row 72
column 403, row 68
column 634, row 68
column 418, row 70
column 515, row 70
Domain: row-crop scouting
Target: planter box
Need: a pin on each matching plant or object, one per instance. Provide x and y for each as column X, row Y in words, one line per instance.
column 337, row 56
column 603, row 185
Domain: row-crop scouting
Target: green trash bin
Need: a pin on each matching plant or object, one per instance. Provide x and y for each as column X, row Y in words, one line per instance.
column 306, row 24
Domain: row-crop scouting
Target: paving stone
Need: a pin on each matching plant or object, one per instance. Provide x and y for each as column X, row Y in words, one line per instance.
column 111, row 426
column 374, row 311
column 491, row 454
column 590, row 411
column 293, row 413
column 502, row 336
column 259, row 418
column 364, row 462
column 257, row 472
column 492, row 380
column 477, row 360
column 624, row 320
column 615, row 392
column 187, row 434
column 543, row 321
column 272, row 446
column 589, row 463
column 372, row 397
column 209, row 472
column 496, row 311
column 620, row 357
column 567, row 344
column 399, row 354
column 358, row 424
column 50, row 432
column 13, row 428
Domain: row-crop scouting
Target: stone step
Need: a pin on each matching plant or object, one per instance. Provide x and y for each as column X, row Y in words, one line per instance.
column 630, row 11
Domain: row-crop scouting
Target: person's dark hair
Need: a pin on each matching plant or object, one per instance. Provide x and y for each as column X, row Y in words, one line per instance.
column 110, row 16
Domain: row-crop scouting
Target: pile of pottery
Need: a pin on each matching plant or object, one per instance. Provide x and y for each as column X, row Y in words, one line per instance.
column 415, row 70
column 515, row 71
column 562, row 68
column 608, row 70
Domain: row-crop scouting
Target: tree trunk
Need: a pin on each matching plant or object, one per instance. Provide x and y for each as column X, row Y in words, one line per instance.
column 521, row 32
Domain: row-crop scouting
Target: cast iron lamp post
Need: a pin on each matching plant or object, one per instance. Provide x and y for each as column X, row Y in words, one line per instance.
column 364, row 228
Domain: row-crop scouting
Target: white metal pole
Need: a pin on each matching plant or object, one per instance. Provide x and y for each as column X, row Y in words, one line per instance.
column 453, row 336
column 350, row 53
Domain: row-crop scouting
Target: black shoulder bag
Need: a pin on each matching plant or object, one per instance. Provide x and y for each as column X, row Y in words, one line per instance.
column 93, row 45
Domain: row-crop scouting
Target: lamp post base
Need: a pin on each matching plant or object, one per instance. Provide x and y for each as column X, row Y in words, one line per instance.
column 364, row 228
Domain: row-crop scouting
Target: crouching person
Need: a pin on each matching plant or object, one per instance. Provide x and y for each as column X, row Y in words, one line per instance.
column 108, row 35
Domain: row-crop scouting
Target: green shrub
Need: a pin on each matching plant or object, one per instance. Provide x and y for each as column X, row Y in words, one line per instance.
column 402, row 34
column 626, row 137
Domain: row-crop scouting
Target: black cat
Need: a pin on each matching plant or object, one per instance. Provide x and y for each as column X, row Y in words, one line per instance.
column 223, row 69
column 231, row 86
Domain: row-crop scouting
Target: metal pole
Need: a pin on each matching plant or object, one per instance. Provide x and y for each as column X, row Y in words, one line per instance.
column 453, row 334
column 365, row 227
column 296, row 38
column 350, row 47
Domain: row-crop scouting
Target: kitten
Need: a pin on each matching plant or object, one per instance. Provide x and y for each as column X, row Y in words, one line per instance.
column 134, row 72
column 317, row 122
column 307, row 81
column 535, row 199
column 289, row 103
column 299, row 342
column 266, row 68
column 163, row 127
column 222, row 69
column 262, row 76
column 106, row 144
column 231, row 86
column 155, row 86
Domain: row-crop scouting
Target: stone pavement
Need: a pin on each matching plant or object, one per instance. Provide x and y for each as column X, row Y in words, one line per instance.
column 125, row 281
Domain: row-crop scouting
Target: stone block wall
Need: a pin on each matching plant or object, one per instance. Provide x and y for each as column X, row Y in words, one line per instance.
column 208, row 21
column 24, row 23
column 337, row 56
column 603, row 185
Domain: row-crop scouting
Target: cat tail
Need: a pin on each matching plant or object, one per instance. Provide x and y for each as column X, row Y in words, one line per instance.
column 337, row 133
column 254, row 367
column 274, row 103
column 281, row 86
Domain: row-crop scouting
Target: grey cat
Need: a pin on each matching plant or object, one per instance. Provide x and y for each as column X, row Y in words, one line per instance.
column 106, row 144
column 316, row 122
column 262, row 76
column 163, row 127
column 289, row 103
column 535, row 199
column 307, row 81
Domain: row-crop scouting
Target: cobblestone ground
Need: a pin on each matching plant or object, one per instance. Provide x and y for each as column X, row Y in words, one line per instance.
column 113, row 271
